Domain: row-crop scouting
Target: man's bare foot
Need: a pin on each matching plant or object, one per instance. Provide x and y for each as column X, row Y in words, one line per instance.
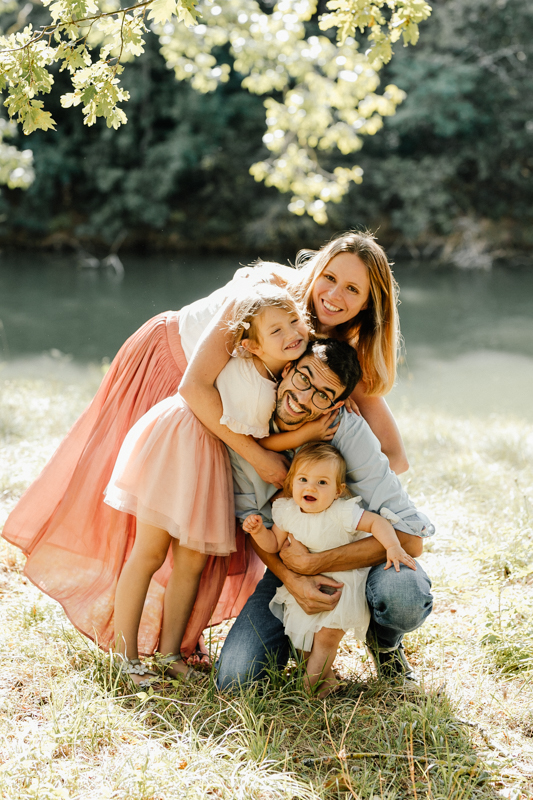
column 199, row 658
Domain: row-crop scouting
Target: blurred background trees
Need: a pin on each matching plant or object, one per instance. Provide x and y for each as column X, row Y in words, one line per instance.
column 449, row 171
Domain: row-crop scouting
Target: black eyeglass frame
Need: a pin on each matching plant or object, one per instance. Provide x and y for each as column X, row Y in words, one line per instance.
column 306, row 380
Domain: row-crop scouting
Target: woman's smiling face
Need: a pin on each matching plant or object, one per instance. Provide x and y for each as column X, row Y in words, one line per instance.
column 341, row 291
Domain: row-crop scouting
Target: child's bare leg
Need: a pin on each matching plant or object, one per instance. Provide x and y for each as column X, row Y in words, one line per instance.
column 321, row 658
column 148, row 554
column 180, row 595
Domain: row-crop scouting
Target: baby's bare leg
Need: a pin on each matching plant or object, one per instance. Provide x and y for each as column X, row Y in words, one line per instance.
column 321, row 658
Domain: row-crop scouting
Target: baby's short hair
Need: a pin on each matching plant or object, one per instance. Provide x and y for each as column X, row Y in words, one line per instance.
column 314, row 453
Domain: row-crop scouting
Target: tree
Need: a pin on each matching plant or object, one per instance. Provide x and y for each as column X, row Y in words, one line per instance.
column 456, row 161
column 321, row 94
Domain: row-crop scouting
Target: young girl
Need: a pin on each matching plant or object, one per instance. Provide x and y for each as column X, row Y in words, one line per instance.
column 175, row 476
column 314, row 511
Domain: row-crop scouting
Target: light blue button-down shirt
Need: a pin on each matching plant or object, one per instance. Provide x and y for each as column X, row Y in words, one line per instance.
column 368, row 475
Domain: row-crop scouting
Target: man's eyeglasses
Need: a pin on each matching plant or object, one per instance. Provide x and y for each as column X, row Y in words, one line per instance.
column 320, row 399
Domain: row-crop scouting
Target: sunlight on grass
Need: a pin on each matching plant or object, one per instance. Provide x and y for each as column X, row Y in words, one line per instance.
column 70, row 727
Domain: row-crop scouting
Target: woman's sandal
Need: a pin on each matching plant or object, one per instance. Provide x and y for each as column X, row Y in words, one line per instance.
column 133, row 666
column 163, row 663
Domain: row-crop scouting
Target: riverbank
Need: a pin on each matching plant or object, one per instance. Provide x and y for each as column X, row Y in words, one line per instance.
column 70, row 730
column 472, row 242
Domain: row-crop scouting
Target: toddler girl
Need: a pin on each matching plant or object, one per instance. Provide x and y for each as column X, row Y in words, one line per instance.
column 314, row 511
column 175, row 476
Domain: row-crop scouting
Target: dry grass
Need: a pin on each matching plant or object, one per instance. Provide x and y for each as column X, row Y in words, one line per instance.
column 70, row 729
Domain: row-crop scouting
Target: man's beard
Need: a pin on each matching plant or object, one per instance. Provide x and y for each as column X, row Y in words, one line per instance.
column 289, row 420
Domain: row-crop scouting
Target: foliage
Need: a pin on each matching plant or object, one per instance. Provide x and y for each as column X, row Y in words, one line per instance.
column 453, row 166
column 459, row 148
column 16, row 166
column 321, row 95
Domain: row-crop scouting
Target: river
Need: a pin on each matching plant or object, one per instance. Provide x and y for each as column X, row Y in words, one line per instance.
column 468, row 334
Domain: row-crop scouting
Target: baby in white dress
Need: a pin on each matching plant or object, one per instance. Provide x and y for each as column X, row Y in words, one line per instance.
column 315, row 513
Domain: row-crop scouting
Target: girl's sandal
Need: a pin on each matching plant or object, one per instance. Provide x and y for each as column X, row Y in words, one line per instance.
column 133, row 666
column 164, row 663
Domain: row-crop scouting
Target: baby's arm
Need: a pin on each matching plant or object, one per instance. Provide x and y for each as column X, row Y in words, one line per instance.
column 318, row 430
column 382, row 530
column 268, row 540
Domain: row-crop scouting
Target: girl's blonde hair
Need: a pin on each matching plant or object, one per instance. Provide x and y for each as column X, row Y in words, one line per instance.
column 314, row 453
column 375, row 331
column 248, row 308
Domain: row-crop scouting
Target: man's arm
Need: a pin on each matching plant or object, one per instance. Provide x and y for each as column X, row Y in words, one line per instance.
column 304, row 589
column 366, row 552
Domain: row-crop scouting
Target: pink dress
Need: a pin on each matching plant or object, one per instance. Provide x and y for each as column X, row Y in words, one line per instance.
column 173, row 473
column 77, row 545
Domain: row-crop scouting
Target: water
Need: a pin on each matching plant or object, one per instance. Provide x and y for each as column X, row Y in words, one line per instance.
column 468, row 335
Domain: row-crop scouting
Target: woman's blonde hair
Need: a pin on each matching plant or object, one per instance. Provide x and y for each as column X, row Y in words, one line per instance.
column 314, row 453
column 248, row 308
column 375, row 331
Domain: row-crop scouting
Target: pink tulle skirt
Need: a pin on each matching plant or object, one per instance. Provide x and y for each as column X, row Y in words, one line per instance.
column 76, row 545
column 173, row 473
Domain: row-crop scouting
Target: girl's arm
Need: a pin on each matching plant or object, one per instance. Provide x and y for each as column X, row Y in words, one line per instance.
column 379, row 416
column 197, row 388
column 268, row 540
column 322, row 429
column 382, row 530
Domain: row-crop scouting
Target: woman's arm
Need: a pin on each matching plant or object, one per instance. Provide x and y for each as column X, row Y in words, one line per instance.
column 197, row 388
column 379, row 416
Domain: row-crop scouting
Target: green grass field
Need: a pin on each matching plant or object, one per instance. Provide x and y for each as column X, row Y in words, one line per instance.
column 69, row 728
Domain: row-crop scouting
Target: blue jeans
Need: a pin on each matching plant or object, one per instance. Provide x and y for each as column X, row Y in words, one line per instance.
column 399, row 602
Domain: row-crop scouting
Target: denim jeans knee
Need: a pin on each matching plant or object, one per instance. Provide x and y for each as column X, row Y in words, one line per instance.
column 255, row 641
column 399, row 602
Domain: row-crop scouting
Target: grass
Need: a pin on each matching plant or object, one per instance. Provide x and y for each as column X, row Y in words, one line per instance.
column 70, row 729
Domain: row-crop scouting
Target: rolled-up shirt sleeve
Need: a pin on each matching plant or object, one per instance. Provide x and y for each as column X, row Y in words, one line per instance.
column 369, row 475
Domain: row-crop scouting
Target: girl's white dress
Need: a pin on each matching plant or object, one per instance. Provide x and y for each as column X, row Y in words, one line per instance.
column 334, row 527
column 171, row 471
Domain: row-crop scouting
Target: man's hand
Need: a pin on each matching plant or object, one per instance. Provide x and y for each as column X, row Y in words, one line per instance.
column 297, row 557
column 306, row 591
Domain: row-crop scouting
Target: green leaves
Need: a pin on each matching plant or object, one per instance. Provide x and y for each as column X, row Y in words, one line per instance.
column 327, row 94
column 161, row 11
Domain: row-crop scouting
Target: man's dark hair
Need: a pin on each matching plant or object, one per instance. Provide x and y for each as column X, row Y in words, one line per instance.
column 341, row 358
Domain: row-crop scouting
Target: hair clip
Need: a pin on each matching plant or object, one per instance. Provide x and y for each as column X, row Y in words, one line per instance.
column 246, row 325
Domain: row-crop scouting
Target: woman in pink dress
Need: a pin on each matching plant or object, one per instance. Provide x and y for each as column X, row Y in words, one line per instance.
column 76, row 545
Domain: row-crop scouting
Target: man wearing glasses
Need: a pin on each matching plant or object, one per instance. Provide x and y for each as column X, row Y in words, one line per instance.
column 399, row 602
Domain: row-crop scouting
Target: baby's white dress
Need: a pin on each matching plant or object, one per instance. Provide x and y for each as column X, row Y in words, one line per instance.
column 334, row 527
